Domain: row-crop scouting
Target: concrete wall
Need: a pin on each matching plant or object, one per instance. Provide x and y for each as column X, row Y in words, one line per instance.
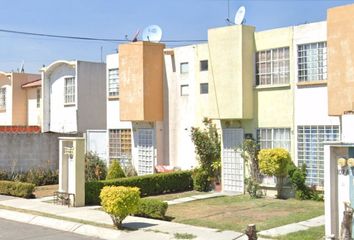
column 21, row 152
column 141, row 74
column 33, row 112
column 113, row 104
column 340, row 44
column 182, row 110
column 231, row 64
column 91, row 96
column 19, row 97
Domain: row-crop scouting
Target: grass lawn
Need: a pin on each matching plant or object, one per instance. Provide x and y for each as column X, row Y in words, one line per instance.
column 315, row 233
column 236, row 212
column 171, row 196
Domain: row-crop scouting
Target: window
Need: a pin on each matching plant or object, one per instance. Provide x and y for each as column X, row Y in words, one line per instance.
column 185, row 90
column 113, row 82
column 312, row 62
column 3, row 98
column 38, row 97
column 204, row 88
column 184, row 68
column 310, row 149
column 120, row 147
column 204, row 65
column 274, row 138
column 272, row 66
column 69, row 90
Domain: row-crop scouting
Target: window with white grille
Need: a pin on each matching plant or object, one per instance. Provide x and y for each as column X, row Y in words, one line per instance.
column 113, row 82
column 274, row 138
column 120, row 146
column 69, row 90
column 312, row 62
column 2, row 98
column 310, row 151
column 272, row 66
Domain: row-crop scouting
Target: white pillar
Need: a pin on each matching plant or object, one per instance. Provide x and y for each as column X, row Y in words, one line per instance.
column 72, row 168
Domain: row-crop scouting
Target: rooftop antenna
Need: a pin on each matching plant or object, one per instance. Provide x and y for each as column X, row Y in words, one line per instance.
column 240, row 15
column 228, row 13
column 152, row 33
column 22, row 66
column 135, row 37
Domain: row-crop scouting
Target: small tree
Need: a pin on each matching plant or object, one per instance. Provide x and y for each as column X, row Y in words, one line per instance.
column 115, row 171
column 249, row 152
column 95, row 168
column 208, row 148
column 119, row 202
column 274, row 162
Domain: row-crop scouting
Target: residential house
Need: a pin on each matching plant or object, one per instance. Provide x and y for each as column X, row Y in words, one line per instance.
column 14, row 108
column 34, row 97
column 269, row 85
column 74, row 94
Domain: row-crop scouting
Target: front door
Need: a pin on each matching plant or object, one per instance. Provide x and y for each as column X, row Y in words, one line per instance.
column 232, row 162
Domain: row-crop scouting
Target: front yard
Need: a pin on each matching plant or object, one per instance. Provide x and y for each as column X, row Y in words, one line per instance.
column 236, row 212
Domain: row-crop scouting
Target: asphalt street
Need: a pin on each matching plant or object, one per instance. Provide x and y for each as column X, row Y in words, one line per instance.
column 21, row 231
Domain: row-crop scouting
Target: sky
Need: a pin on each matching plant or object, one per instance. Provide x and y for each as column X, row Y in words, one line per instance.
column 114, row 19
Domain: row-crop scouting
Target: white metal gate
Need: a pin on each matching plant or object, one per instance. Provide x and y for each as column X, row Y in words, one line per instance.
column 146, row 152
column 232, row 162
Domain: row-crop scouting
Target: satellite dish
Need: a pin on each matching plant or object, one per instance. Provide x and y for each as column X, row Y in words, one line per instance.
column 240, row 15
column 152, row 33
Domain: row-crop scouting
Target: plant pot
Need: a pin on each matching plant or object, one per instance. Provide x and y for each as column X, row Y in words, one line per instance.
column 217, row 187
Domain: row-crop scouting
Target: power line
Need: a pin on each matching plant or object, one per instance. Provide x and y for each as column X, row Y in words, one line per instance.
column 89, row 38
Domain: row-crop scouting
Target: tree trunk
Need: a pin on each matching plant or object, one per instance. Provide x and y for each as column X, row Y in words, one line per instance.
column 117, row 222
column 279, row 187
column 251, row 232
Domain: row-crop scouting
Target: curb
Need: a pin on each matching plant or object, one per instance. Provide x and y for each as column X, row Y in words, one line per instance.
column 73, row 227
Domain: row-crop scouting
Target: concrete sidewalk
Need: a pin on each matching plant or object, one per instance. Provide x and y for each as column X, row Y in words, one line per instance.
column 145, row 228
column 92, row 222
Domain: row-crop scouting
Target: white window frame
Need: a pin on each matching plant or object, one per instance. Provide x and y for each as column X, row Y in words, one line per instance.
column 204, row 65
column 113, row 82
column 273, row 66
column 3, row 98
column 185, row 90
column 69, row 90
column 274, row 138
column 310, row 149
column 203, row 89
column 312, row 62
column 120, row 145
column 184, row 67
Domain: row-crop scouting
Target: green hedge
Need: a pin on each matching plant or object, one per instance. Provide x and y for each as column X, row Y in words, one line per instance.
column 153, row 184
column 17, row 189
column 151, row 208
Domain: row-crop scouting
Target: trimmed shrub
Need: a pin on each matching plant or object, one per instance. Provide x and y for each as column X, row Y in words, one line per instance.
column 152, row 208
column 201, row 180
column 115, row 171
column 152, row 184
column 274, row 162
column 298, row 180
column 119, row 202
column 17, row 189
column 95, row 168
column 38, row 176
